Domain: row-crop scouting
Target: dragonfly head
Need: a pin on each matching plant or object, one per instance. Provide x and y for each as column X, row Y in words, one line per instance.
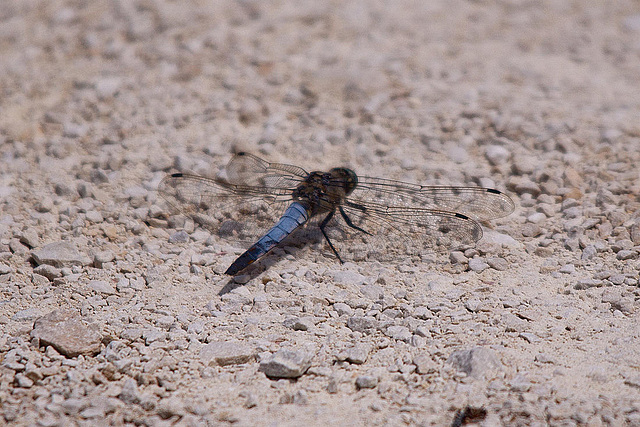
column 347, row 177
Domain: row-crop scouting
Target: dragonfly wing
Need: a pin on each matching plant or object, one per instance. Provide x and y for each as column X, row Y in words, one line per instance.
column 247, row 170
column 388, row 233
column 475, row 202
column 237, row 212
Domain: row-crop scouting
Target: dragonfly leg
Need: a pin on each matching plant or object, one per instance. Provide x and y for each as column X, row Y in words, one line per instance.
column 348, row 220
column 322, row 225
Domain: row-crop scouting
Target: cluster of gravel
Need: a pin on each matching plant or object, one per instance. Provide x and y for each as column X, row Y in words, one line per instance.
column 113, row 308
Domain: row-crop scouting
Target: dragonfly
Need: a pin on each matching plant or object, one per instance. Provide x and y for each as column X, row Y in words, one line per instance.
column 359, row 217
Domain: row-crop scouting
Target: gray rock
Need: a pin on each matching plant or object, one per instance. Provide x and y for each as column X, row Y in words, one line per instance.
column 152, row 334
column 520, row 384
column 589, row 252
column 102, row 257
column 30, row 238
column 567, row 269
column 362, row 324
column 457, row 257
column 349, row 278
column 94, row 216
column 23, row 381
column 366, row 381
column 179, row 237
column 399, row 333
column 286, row 364
column 108, row 86
column 626, row 254
column 60, row 254
column 5, row 269
column 457, row 153
column 588, row 283
column 632, row 22
column 129, row 393
column 223, row 353
column 131, row 334
column 424, row 364
column 479, row 362
column 342, row 309
column 27, row 315
column 102, row 286
column 499, row 264
column 358, row 354
column 372, row 292
column 170, row 407
column 67, row 333
column 544, row 358
column 299, row 324
column 478, row 265
column 48, row 271
column 529, row 337
column 496, row 154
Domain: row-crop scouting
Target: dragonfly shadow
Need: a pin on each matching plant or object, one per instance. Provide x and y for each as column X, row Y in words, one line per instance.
column 297, row 246
column 249, row 273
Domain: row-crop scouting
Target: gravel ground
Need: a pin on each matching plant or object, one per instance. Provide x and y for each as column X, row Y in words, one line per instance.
column 113, row 310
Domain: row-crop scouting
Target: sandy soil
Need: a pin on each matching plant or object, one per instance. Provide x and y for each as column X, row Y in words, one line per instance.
column 537, row 324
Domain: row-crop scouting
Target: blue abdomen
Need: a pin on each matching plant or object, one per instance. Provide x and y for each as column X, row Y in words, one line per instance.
column 295, row 216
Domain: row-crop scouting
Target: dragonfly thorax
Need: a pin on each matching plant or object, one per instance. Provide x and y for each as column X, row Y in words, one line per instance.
column 324, row 191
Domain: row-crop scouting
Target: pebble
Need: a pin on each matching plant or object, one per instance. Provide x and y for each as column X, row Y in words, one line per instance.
column 23, row 381
column 299, row 324
column 529, row 337
column 544, row 358
column 373, row 292
column 4, row 269
column 520, row 384
column 536, row 218
column 107, row 87
column 589, row 252
column 286, row 364
column 496, row 154
column 30, row 238
column 457, row 257
column 60, row 254
column 632, row 23
column 102, row 286
column 588, row 283
column 169, row 407
column 94, row 216
column 478, row 362
column 48, row 271
column 224, row 353
column 626, row 254
column 424, row 364
column 478, row 265
column 27, row 315
column 358, row 354
column 530, row 230
column 102, row 257
column 64, row 330
column 399, row 333
column 179, row 237
column 567, row 269
column 362, row 324
column 348, row 277
column 366, row 381
column 342, row 309
column 499, row 264
column 129, row 393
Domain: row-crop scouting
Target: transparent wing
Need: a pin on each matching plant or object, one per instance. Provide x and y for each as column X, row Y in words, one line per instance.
column 476, row 202
column 389, row 233
column 242, row 203
column 385, row 219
